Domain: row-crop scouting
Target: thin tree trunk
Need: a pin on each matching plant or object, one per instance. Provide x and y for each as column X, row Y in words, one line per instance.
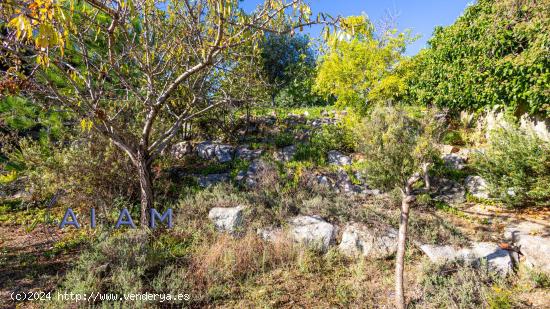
column 400, row 257
column 408, row 200
column 146, row 186
column 427, row 183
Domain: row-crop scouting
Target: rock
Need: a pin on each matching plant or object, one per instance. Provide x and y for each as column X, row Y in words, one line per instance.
column 323, row 180
column 449, row 191
column 439, row 254
column 227, row 219
column 294, row 120
column 181, row 149
column 252, row 173
column 312, row 231
column 533, row 240
column 319, row 122
column 477, row 186
column 247, row 154
column 271, row 234
column 336, row 157
column 343, row 182
column 359, row 240
column 497, row 259
column 212, row 179
column 454, row 161
column 287, row 153
column 209, row 150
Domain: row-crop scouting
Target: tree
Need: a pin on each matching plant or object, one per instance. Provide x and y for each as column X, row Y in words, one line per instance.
column 358, row 66
column 496, row 53
column 289, row 65
column 136, row 71
column 400, row 149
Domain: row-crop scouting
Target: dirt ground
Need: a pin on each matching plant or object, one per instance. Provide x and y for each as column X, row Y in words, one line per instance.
column 26, row 262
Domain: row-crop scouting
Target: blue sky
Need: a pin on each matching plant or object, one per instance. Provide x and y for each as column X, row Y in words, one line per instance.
column 421, row 16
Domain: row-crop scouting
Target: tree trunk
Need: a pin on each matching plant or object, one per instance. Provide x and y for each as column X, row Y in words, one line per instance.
column 401, row 244
column 146, row 186
column 427, row 183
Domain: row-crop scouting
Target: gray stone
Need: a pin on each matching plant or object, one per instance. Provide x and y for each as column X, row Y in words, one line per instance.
column 449, row 191
column 181, row 149
column 454, row 161
column 490, row 254
column 212, row 179
column 477, row 186
column 251, row 175
column 227, row 219
column 359, row 240
column 248, row 154
column 439, row 254
column 271, row 234
column 287, row 153
column 533, row 239
column 209, row 150
column 338, row 158
column 497, row 259
column 319, row 122
column 312, row 231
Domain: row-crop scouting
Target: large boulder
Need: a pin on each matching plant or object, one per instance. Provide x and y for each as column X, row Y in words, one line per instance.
column 359, row 240
column 312, row 231
column 497, row 259
column 338, row 158
column 227, row 219
column 439, row 254
column 533, row 240
column 209, row 150
column 477, row 186
column 482, row 253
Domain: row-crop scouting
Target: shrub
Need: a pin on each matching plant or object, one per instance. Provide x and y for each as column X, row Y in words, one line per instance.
column 341, row 136
column 92, row 174
column 516, row 165
column 455, row 285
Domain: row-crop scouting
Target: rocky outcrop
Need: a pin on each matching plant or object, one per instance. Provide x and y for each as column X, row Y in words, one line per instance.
column 211, row 150
column 533, row 240
column 312, row 231
column 359, row 240
column 338, row 158
column 227, row 219
column 477, row 186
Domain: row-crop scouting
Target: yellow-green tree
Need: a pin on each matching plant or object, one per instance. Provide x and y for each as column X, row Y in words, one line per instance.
column 358, row 66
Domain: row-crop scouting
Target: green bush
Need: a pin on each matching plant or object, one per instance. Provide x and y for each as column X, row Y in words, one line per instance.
column 341, row 136
column 90, row 173
column 516, row 165
column 496, row 53
column 455, row 285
